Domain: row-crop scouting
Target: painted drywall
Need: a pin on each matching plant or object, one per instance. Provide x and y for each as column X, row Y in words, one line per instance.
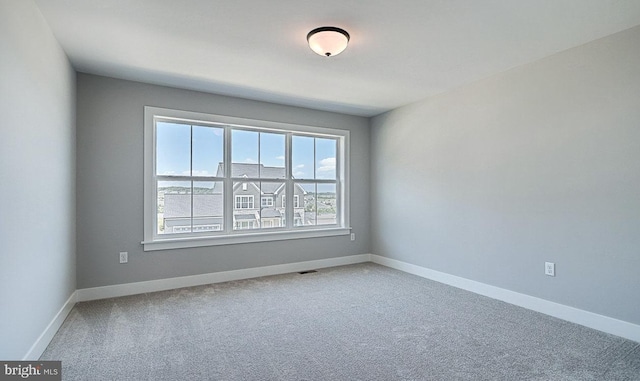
column 37, row 168
column 540, row 163
column 110, row 185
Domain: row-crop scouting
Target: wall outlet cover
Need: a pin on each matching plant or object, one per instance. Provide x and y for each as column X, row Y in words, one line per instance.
column 550, row 268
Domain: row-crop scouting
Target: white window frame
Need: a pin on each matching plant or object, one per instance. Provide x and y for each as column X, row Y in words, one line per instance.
column 238, row 200
column 227, row 235
column 268, row 204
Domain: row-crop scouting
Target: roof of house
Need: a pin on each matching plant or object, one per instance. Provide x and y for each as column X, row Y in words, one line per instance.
column 270, row 213
column 264, row 187
column 211, row 204
column 253, row 171
column 204, row 205
column 245, row 216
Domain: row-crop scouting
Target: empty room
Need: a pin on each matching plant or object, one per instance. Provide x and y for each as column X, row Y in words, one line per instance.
column 336, row 190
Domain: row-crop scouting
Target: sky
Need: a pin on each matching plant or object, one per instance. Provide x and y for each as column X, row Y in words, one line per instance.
column 312, row 158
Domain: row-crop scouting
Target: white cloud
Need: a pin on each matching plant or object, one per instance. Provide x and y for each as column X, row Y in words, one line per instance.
column 300, row 166
column 298, row 173
column 328, row 161
column 327, row 165
column 250, row 161
column 280, row 158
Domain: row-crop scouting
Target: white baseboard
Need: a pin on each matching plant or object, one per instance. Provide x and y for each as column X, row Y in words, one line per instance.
column 104, row 292
column 588, row 319
column 46, row 336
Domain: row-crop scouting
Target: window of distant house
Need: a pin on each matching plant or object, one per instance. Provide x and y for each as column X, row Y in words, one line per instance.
column 244, row 202
column 267, row 202
column 213, row 179
column 244, row 224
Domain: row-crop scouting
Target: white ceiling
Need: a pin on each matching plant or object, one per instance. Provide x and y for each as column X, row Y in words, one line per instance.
column 400, row 51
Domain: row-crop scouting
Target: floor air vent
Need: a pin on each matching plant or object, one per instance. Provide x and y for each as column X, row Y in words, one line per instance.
column 307, row 272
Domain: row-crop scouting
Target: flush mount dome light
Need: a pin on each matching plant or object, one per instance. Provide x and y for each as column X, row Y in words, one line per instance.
column 328, row 40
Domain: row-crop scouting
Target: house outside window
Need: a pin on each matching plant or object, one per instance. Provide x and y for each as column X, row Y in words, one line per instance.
column 203, row 174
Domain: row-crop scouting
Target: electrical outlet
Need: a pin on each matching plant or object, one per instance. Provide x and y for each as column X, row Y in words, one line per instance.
column 124, row 257
column 353, row 236
column 550, row 268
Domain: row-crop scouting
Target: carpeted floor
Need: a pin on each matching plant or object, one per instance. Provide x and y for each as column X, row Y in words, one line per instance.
column 359, row 322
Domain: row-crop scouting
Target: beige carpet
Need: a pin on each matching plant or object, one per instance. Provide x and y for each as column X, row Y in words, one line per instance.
column 359, row 322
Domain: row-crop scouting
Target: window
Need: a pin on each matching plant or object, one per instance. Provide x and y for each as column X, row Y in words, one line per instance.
column 244, row 202
column 204, row 172
column 241, row 225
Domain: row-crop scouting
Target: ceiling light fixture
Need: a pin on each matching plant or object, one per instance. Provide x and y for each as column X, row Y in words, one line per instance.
column 328, row 40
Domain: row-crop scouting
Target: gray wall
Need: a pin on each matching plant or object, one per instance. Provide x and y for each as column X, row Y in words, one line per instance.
column 37, row 172
column 541, row 163
column 110, row 185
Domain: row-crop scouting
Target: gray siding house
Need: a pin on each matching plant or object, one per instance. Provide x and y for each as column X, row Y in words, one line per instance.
column 256, row 204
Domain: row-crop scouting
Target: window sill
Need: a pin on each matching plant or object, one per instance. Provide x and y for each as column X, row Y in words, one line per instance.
column 183, row 243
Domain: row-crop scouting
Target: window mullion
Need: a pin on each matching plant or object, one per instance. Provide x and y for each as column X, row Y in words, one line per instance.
column 339, row 215
column 191, row 173
column 339, row 185
column 315, row 203
column 315, row 164
column 259, row 184
column 289, row 185
column 228, row 201
column 152, row 205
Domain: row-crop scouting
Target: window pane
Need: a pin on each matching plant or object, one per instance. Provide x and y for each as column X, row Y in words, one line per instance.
column 326, row 158
column 302, row 157
column 308, row 207
column 267, row 202
column 298, row 205
column 272, row 155
column 326, row 204
column 244, row 153
column 207, row 206
column 272, row 210
column 246, row 205
column 173, row 149
column 320, row 204
column 207, row 151
column 174, row 207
